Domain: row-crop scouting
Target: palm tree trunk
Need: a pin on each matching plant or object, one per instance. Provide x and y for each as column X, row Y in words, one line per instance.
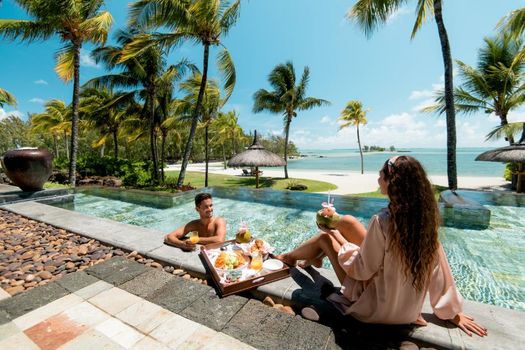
column 74, row 121
column 194, row 117
column 286, row 136
column 163, row 153
column 155, row 172
column 504, row 121
column 449, row 98
column 65, row 145
column 115, row 143
column 360, row 150
column 206, row 155
column 224, row 154
column 55, row 144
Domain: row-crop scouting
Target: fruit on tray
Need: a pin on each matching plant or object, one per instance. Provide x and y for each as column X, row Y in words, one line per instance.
column 327, row 217
column 229, row 260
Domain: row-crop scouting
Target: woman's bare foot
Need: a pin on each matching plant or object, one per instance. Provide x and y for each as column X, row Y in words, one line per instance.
column 318, row 262
column 285, row 258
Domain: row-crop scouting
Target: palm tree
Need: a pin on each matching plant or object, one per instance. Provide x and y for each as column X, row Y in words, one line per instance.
column 6, row 98
column 370, row 13
column 200, row 21
column 497, row 84
column 106, row 110
column 56, row 119
column 514, row 22
column 211, row 102
column 75, row 22
column 286, row 98
column 354, row 114
column 142, row 74
column 506, row 130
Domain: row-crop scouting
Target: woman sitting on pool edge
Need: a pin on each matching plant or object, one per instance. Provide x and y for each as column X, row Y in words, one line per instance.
column 386, row 276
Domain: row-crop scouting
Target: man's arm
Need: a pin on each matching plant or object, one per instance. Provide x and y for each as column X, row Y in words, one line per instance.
column 220, row 233
column 175, row 237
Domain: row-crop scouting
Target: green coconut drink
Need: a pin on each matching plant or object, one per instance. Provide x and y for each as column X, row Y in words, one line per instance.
column 327, row 217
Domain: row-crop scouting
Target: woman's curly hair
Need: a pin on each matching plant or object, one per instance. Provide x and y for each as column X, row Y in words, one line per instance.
column 414, row 218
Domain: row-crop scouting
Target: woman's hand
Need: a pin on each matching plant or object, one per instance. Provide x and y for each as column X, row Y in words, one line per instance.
column 467, row 325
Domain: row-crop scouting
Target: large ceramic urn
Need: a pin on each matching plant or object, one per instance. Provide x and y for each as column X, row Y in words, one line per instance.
column 28, row 168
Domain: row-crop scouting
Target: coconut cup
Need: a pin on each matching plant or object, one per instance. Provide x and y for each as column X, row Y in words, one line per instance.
column 327, row 221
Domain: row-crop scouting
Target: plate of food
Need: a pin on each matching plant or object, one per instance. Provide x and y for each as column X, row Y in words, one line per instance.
column 256, row 246
column 230, row 260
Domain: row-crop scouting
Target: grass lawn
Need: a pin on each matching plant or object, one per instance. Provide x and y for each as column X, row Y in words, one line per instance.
column 376, row 194
column 196, row 179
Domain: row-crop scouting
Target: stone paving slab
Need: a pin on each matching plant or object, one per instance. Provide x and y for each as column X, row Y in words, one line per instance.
column 305, row 335
column 117, row 270
column 212, row 311
column 259, row 325
column 178, row 294
column 32, row 299
column 76, row 281
column 147, row 283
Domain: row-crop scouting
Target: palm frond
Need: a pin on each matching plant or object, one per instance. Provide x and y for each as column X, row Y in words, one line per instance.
column 95, row 29
column 368, row 14
column 12, row 29
column 227, row 69
column 65, row 62
column 502, row 131
column 513, row 23
column 7, row 98
column 424, row 8
column 230, row 17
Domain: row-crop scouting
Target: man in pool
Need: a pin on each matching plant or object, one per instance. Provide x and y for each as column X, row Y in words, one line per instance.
column 210, row 229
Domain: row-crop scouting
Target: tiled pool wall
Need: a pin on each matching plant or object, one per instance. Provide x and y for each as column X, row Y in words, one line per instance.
column 462, row 209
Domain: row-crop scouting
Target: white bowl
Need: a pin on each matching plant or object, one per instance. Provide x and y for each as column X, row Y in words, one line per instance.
column 273, row 264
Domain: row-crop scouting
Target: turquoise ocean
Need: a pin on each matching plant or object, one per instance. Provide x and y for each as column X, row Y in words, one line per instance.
column 434, row 160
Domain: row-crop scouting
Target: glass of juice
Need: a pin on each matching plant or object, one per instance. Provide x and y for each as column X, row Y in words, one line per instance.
column 257, row 261
column 194, row 237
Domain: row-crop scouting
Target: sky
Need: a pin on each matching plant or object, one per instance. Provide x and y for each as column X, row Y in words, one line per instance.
column 390, row 74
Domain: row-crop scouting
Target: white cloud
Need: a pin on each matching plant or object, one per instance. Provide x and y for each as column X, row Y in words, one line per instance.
column 423, row 104
column 37, row 100
column 86, row 60
column 399, row 13
column 41, row 82
column 417, row 94
column 326, row 120
column 4, row 114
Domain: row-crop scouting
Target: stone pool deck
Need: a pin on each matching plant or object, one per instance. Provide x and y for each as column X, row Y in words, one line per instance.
column 303, row 288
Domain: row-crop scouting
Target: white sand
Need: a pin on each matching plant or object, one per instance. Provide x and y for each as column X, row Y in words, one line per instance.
column 347, row 182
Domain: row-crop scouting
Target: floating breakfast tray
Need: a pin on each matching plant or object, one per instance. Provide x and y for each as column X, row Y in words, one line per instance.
column 261, row 278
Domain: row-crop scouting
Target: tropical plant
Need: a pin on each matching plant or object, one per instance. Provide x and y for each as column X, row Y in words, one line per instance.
column 56, row 120
column 370, row 13
column 286, row 98
column 75, row 22
column 200, row 21
column 6, row 98
column 142, row 75
column 106, row 110
column 17, row 133
column 496, row 85
column 354, row 114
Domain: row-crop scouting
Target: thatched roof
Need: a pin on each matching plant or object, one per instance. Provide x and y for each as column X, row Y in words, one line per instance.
column 514, row 153
column 255, row 156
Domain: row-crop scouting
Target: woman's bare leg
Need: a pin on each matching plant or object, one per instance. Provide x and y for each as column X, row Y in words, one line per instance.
column 321, row 245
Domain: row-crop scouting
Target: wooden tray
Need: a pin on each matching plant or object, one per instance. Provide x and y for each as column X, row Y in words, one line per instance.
column 236, row 287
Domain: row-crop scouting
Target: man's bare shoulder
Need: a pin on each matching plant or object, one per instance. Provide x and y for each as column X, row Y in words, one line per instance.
column 219, row 220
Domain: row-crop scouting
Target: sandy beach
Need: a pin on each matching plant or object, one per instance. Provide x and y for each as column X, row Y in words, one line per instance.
column 347, row 182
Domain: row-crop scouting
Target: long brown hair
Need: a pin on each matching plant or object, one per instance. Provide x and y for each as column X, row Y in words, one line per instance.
column 414, row 217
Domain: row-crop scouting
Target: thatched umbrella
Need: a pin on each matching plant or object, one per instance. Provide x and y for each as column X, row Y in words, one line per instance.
column 514, row 153
column 255, row 156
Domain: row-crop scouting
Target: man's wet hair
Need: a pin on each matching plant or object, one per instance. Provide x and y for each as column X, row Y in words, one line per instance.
column 200, row 197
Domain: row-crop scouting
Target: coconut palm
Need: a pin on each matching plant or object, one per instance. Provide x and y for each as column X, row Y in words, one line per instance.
column 354, row 114
column 56, row 120
column 106, row 110
column 211, row 102
column 199, row 21
column 370, row 13
column 496, row 85
column 514, row 22
column 6, row 98
column 75, row 22
column 231, row 129
column 286, row 98
column 142, row 74
column 502, row 131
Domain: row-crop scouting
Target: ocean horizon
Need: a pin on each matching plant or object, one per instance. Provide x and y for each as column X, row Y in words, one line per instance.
column 433, row 159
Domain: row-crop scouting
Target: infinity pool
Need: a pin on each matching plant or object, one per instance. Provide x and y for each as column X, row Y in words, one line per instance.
column 488, row 264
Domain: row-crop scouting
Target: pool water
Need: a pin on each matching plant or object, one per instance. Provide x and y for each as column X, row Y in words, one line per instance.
column 488, row 265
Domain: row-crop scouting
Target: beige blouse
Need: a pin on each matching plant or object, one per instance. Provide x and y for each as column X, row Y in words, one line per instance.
column 375, row 289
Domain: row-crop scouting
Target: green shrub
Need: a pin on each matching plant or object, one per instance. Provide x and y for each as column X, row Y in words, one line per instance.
column 509, row 169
